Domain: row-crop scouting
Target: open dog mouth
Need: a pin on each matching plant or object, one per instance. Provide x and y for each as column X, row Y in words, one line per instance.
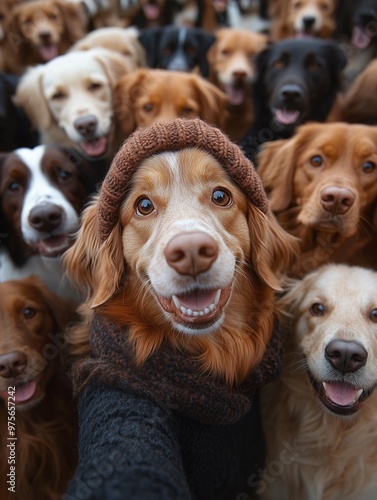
column 151, row 10
column 197, row 309
column 54, row 245
column 236, row 93
column 48, row 51
column 94, row 147
column 25, row 393
column 286, row 116
column 341, row 398
column 360, row 39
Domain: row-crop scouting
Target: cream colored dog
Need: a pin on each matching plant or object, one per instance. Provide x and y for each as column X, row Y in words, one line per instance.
column 321, row 416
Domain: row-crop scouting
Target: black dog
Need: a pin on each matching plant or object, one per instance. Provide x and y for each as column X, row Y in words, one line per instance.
column 177, row 48
column 297, row 81
column 15, row 128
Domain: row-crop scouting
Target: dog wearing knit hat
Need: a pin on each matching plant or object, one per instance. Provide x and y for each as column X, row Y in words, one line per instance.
column 181, row 259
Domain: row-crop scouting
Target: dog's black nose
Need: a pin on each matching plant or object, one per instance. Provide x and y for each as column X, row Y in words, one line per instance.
column 45, row 36
column 337, row 200
column 46, row 217
column 191, row 253
column 346, row 356
column 12, row 364
column 308, row 22
column 290, row 93
column 86, row 125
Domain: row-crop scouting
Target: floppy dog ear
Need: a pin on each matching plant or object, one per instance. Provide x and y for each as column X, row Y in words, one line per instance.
column 276, row 165
column 95, row 267
column 4, row 228
column 75, row 21
column 125, row 95
column 213, row 101
column 114, row 64
column 273, row 250
column 206, row 40
column 150, row 40
column 30, row 96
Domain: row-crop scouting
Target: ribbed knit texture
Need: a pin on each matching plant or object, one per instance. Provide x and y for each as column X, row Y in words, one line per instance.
column 173, row 136
column 171, row 377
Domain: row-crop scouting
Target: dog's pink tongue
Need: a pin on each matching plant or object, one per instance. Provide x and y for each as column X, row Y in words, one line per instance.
column 94, row 148
column 360, row 39
column 48, row 52
column 236, row 95
column 341, row 394
column 286, row 116
column 151, row 11
column 26, row 391
column 197, row 300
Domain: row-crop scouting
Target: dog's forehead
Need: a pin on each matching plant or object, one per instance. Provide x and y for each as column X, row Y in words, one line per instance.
column 80, row 69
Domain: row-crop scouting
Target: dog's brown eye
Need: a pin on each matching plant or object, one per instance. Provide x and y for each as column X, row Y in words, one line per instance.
column 94, row 86
column 29, row 312
column 373, row 315
column 144, row 206
column 324, row 7
column 63, row 175
column 225, row 52
column 297, row 5
column 221, row 197
column 317, row 309
column 57, row 96
column 316, row 161
column 187, row 110
column 314, row 66
column 148, row 107
column 369, row 167
column 279, row 64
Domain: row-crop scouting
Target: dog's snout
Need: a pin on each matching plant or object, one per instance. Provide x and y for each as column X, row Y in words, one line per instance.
column 239, row 74
column 12, row 364
column 291, row 92
column 45, row 36
column 308, row 21
column 191, row 253
column 346, row 356
column 337, row 200
column 86, row 125
column 46, row 217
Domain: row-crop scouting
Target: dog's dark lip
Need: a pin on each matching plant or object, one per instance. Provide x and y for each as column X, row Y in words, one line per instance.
column 54, row 245
column 342, row 410
column 210, row 304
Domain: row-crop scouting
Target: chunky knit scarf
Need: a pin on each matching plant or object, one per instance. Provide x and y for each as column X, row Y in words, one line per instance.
column 170, row 377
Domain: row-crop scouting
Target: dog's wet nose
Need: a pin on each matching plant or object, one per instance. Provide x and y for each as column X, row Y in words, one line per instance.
column 308, row 21
column 46, row 217
column 291, row 93
column 12, row 364
column 239, row 74
column 191, row 253
column 337, row 200
column 86, row 125
column 45, row 36
column 346, row 356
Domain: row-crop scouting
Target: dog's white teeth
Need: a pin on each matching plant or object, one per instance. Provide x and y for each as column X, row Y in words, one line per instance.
column 195, row 313
column 359, row 393
column 189, row 312
column 184, row 310
column 217, row 298
column 176, row 301
column 211, row 307
column 206, row 310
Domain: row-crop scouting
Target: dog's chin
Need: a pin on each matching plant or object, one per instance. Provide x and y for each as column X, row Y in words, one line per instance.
column 339, row 397
column 330, row 225
column 197, row 312
column 54, row 246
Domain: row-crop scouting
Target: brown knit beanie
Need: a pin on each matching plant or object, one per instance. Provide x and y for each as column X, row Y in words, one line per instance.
column 173, row 136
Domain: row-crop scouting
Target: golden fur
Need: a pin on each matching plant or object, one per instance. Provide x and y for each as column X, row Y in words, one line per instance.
column 33, row 321
column 252, row 252
column 231, row 62
column 36, row 24
column 347, row 156
column 150, row 95
column 312, row 452
column 287, row 20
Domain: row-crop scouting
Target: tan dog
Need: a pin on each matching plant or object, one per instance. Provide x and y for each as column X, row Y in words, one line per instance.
column 322, row 185
column 303, row 18
column 40, row 30
column 320, row 418
column 148, row 95
column 122, row 40
column 231, row 61
column 75, row 108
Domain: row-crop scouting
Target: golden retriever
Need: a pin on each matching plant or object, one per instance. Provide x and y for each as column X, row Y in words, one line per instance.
column 231, row 62
column 202, row 264
column 320, row 418
column 70, row 100
column 147, row 96
column 123, row 40
column 40, row 30
column 35, row 397
column 303, row 18
column 322, row 185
